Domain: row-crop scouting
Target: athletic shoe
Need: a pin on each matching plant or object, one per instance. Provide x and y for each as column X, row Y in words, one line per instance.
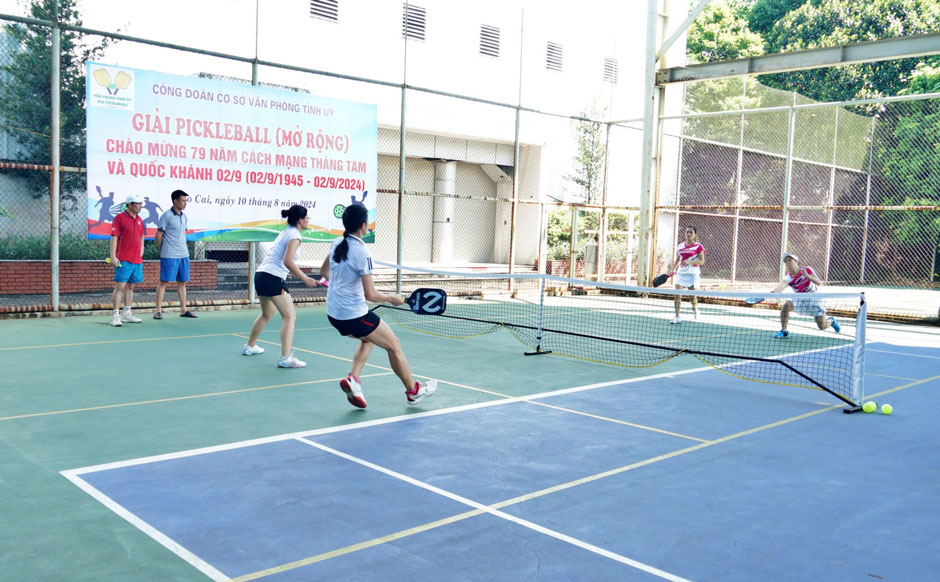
column 835, row 324
column 252, row 350
column 782, row 334
column 128, row 317
column 422, row 390
column 188, row 314
column 676, row 319
column 353, row 389
column 290, row 362
column 157, row 315
column 116, row 320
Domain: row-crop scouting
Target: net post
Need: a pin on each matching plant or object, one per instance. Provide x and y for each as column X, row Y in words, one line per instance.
column 538, row 333
column 858, row 357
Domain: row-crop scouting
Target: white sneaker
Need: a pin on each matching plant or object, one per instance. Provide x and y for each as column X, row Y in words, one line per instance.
column 252, row 350
column 353, row 389
column 676, row 320
column 128, row 317
column 116, row 320
column 290, row 362
column 422, row 391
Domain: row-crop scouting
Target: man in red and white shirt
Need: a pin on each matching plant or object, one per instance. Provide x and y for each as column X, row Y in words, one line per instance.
column 127, row 258
column 801, row 280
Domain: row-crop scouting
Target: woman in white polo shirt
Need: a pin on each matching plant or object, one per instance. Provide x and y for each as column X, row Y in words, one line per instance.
column 348, row 266
column 271, row 287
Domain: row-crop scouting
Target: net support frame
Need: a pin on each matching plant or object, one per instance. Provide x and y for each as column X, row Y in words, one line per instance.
column 858, row 358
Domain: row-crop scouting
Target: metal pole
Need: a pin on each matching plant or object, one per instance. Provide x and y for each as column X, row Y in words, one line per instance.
column 252, row 245
column 602, row 235
column 871, row 155
column 54, row 183
column 514, row 208
column 832, row 194
column 737, row 192
column 401, row 159
column 649, row 131
column 787, row 183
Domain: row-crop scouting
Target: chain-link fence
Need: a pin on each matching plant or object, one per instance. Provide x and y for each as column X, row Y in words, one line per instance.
column 507, row 171
column 851, row 188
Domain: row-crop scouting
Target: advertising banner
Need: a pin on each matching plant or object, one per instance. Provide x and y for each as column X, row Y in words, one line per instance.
column 242, row 153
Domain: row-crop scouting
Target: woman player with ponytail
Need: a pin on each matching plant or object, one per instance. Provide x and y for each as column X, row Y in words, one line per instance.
column 271, row 287
column 348, row 266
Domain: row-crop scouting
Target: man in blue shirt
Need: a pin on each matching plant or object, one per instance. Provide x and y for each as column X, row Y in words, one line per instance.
column 174, row 256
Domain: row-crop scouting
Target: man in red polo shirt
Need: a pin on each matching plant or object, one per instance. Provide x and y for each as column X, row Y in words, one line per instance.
column 127, row 258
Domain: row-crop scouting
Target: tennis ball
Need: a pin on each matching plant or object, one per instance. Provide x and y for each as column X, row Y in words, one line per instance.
column 108, row 260
column 869, row 406
column 886, row 409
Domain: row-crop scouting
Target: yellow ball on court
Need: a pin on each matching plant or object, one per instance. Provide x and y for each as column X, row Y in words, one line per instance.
column 886, row 409
column 869, row 406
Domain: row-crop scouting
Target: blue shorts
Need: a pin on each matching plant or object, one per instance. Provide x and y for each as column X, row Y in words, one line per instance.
column 129, row 273
column 174, row 270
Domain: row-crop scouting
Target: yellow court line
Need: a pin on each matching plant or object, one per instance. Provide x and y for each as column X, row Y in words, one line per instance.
column 146, row 339
column 175, row 398
column 516, row 500
column 522, row 498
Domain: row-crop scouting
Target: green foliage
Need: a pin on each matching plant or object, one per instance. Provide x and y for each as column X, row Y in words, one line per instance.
column 71, row 248
column 825, row 23
column 763, row 14
column 25, row 95
column 589, row 163
column 721, row 32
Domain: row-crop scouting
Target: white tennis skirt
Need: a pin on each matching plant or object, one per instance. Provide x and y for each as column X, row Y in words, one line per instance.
column 809, row 306
column 687, row 280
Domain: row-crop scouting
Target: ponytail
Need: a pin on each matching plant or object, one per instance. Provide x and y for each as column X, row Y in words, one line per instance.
column 294, row 213
column 354, row 217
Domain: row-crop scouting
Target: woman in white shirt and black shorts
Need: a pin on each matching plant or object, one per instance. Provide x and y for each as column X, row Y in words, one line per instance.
column 348, row 266
column 271, row 287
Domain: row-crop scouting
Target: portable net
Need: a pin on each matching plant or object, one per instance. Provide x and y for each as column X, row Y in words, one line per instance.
column 632, row 326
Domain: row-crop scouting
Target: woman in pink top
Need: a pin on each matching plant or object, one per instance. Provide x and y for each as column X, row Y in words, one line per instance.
column 690, row 255
column 801, row 280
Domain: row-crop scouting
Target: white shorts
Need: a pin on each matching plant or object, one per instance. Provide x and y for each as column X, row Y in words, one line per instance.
column 809, row 306
column 687, row 280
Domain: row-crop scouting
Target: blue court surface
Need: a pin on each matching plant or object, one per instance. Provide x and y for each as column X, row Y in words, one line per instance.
column 684, row 476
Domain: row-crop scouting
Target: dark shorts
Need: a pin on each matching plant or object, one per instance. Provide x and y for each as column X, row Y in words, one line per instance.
column 174, row 270
column 359, row 327
column 267, row 285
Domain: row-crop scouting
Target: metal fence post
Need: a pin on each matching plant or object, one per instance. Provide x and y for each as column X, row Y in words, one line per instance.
column 54, row 181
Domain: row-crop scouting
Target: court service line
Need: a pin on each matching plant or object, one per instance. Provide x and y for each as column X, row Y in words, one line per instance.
column 148, row 529
column 145, row 339
column 469, row 502
column 176, row 398
column 494, row 508
column 903, row 354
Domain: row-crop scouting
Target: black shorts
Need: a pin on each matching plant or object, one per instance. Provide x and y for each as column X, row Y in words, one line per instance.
column 358, row 327
column 267, row 285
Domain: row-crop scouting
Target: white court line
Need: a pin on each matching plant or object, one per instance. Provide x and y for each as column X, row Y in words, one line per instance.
column 902, row 353
column 151, row 531
column 365, row 424
column 502, row 515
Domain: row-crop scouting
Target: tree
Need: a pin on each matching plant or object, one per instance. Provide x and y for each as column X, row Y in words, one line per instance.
column 763, row 14
column 721, row 32
column 589, row 163
column 25, row 103
column 825, row 23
